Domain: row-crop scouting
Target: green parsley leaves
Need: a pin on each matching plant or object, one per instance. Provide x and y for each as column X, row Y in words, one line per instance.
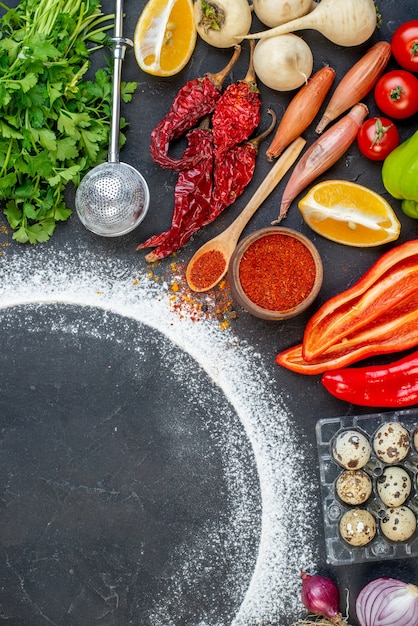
column 54, row 123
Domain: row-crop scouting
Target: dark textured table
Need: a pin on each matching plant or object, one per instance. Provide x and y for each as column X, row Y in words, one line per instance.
column 156, row 467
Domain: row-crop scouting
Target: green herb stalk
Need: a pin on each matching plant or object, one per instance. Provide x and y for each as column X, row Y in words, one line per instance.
column 54, row 123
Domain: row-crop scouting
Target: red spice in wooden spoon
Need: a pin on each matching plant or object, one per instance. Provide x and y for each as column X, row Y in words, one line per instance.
column 207, row 268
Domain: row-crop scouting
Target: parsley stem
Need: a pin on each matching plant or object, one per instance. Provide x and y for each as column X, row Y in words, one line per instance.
column 6, row 158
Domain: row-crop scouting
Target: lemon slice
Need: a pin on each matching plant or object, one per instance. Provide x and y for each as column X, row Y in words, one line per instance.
column 165, row 36
column 350, row 214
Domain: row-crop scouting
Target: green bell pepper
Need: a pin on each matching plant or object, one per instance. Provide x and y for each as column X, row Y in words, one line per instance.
column 400, row 175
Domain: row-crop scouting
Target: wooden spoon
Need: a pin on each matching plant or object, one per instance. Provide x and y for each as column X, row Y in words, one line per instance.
column 225, row 242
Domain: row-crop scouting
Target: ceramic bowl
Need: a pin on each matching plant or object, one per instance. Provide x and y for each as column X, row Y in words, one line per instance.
column 265, row 270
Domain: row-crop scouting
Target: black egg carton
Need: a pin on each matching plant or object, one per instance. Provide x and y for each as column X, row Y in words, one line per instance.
column 338, row 551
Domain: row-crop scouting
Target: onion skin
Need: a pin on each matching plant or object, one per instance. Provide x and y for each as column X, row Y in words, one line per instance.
column 356, row 83
column 387, row 602
column 301, row 110
column 320, row 595
column 322, row 154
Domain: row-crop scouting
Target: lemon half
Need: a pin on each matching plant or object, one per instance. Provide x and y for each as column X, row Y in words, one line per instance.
column 349, row 214
column 165, row 36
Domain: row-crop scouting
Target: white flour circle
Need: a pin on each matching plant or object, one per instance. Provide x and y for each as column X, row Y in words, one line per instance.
column 84, row 279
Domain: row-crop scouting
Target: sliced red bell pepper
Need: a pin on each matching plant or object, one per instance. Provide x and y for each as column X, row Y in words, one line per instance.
column 392, row 278
column 393, row 385
column 394, row 331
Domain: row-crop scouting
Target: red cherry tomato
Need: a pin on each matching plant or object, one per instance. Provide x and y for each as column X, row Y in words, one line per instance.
column 396, row 94
column 377, row 137
column 405, row 45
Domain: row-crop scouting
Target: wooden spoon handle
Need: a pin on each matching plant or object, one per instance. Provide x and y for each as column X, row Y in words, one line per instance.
column 275, row 175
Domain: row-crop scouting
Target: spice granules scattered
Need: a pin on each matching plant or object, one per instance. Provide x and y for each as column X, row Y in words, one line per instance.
column 277, row 272
column 4, row 244
column 187, row 304
column 207, row 269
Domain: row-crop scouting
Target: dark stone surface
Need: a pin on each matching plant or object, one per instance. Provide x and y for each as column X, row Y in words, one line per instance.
column 113, row 475
column 78, row 498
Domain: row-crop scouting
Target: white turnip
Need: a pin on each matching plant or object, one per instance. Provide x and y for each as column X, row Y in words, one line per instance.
column 344, row 22
column 219, row 22
column 275, row 12
column 283, row 63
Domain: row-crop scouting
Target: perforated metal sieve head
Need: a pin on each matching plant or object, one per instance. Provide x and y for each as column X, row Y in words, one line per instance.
column 112, row 199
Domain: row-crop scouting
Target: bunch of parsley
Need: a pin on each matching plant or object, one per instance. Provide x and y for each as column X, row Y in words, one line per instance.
column 54, row 123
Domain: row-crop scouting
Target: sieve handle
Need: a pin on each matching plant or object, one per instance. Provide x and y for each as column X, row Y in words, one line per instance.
column 118, row 55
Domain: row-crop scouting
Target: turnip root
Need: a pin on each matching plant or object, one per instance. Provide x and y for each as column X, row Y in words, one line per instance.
column 275, row 12
column 218, row 22
column 283, row 63
column 344, row 22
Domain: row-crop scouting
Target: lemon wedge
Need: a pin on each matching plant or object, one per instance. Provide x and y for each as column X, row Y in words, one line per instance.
column 349, row 214
column 165, row 36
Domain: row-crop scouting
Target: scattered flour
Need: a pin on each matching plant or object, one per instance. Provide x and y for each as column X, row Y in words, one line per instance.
column 85, row 279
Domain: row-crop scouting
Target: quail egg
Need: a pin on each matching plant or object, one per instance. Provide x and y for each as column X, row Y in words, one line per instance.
column 351, row 449
column 353, row 486
column 398, row 524
column 393, row 486
column 391, row 442
column 357, row 527
column 415, row 439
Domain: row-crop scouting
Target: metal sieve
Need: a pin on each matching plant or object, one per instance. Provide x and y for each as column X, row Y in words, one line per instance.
column 113, row 198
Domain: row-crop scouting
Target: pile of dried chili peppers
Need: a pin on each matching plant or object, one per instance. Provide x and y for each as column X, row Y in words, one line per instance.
column 219, row 159
column 377, row 315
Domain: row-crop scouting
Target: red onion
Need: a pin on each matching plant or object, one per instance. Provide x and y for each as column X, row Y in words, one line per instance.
column 321, row 596
column 387, row 602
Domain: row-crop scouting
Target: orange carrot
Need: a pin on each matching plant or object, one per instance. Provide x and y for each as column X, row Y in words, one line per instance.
column 357, row 83
column 301, row 111
column 322, row 154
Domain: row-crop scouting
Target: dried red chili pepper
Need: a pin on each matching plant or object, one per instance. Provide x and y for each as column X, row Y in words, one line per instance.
column 392, row 385
column 192, row 196
column 196, row 99
column 237, row 112
column 233, row 171
column 204, row 191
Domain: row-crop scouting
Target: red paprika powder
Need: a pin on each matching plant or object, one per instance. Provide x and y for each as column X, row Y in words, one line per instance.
column 207, row 269
column 277, row 272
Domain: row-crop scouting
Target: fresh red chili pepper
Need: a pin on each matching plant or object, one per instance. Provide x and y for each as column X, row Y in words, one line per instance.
column 394, row 331
column 393, row 385
column 237, row 112
column 196, row 99
column 192, row 197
